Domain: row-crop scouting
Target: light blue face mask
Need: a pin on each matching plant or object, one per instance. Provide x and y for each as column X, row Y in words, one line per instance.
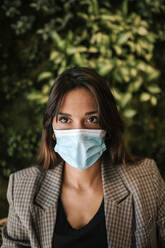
column 80, row 148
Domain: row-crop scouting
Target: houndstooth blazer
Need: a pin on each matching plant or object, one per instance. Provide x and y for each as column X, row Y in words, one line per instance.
column 134, row 205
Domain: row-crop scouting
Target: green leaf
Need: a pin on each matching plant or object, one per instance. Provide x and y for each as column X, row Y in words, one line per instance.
column 145, row 97
column 71, row 50
column 153, row 100
column 93, row 49
column 142, row 66
column 139, row 49
column 129, row 113
column 53, row 55
column 81, row 49
column 83, row 15
column 60, row 43
column 105, row 69
column 117, row 94
column 124, row 71
column 133, row 72
column 132, row 45
column 125, row 99
column 154, row 88
column 38, row 97
column 117, row 49
column 44, row 75
column 154, row 74
column 77, row 59
column 45, row 89
column 135, row 86
column 59, row 58
column 137, row 20
column 148, row 57
column 117, row 76
column 142, row 31
column 123, row 38
column 109, row 17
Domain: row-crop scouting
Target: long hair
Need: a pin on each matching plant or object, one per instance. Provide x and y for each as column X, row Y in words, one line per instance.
column 109, row 117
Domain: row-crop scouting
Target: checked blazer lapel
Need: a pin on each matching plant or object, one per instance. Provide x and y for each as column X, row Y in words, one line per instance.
column 45, row 207
column 118, row 207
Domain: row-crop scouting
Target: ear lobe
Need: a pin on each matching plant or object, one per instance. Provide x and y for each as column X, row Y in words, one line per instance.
column 53, row 136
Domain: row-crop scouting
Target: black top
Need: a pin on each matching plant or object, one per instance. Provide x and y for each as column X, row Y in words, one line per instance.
column 91, row 235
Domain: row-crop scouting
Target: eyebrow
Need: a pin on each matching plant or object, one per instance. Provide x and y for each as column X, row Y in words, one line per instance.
column 87, row 113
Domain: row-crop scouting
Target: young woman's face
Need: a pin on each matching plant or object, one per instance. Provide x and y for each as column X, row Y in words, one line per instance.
column 78, row 110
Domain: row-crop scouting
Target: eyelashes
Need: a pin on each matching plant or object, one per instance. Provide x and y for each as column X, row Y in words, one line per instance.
column 63, row 119
column 90, row 120
column 93, row 119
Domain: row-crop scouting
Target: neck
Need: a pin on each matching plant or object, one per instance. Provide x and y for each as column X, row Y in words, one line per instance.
column 82, row 179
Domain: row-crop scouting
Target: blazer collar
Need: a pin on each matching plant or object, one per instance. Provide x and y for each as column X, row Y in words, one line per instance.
column 113, row 185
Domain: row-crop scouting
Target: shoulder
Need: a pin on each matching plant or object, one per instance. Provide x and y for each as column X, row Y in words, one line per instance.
column 143, row 176
column 26, row 176
column 26, row 173
column 24, row 183
column 144, row 167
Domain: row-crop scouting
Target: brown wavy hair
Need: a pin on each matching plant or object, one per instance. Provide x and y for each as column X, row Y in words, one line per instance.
column 109, row 117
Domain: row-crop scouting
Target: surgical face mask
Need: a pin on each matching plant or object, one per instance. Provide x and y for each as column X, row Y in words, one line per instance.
column 80, row 148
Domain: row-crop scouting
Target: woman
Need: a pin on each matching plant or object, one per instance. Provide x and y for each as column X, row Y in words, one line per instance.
column 86, row 191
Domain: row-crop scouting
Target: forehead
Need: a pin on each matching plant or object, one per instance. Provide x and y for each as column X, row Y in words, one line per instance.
column 78, row 99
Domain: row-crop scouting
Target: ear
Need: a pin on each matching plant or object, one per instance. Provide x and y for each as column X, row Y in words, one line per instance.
column 53, row 136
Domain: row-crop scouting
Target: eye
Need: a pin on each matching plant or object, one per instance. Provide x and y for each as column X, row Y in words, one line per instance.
column 93, row 119
column 64, row 119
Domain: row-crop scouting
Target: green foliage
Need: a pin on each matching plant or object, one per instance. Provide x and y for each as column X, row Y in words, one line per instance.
column 124, row 41
column 153, row 12
column 119, row 48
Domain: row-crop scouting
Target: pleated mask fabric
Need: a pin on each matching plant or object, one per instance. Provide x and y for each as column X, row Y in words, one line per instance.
column 80, row 148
